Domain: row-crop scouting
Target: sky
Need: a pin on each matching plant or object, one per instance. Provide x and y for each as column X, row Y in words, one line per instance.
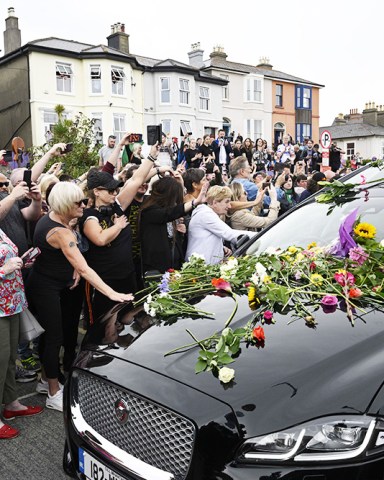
column 335, row 43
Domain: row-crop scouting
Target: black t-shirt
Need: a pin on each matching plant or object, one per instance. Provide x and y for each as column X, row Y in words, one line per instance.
column 14, row 225
column 132, row 213
column 206, row 150
column 114, row 260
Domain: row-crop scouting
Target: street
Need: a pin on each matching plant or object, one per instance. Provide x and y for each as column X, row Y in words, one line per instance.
column 36, row 454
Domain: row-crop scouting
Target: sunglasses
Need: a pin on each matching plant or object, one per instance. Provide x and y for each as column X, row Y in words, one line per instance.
column 110, row 191
column 4, row 184
column 82, row 201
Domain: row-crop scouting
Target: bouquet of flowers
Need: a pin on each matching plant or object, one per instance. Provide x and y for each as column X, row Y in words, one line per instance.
column 348, row 275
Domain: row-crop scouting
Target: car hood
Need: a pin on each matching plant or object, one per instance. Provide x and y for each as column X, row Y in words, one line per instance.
column 300, row 373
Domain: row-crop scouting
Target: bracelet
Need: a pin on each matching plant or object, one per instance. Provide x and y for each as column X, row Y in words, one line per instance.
column 2, row 274
column 152, row 159
column 193, row 204
column 158, row 171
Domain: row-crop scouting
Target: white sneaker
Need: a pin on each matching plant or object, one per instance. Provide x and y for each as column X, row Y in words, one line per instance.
column 42, row 387
column 55, row 401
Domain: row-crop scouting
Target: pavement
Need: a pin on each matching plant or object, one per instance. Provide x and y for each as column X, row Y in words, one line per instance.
column 37, row 453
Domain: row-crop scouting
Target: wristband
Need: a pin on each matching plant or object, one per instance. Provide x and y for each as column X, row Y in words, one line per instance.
column 2, row 274
column 193, row 204
column 151, row 159
column 158, row 171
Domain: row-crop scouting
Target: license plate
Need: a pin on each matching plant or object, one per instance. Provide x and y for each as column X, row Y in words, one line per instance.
column 95, row 470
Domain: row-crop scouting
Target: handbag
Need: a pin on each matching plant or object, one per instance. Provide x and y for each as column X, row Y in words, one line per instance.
column 30, row 328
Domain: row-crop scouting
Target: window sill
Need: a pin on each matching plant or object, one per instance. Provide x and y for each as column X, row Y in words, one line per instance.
column 280, row 107
column 68, row 94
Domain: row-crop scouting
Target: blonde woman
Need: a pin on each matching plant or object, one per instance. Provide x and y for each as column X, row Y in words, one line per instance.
column 207, row 231
column 245, row 219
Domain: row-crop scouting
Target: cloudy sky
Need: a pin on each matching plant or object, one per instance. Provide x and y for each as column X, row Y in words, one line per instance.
column 337, row 43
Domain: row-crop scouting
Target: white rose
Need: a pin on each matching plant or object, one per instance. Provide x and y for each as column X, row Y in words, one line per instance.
column 226, row 374
column 152, row 312
column 272, row 250
column 382, row 243
column 146, row 307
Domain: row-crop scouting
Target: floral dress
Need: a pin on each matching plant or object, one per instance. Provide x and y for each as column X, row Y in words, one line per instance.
column 12, row 296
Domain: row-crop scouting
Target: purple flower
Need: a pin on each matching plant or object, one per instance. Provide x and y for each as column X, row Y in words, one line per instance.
column 345, row 242
column 358, row 255
column 329, row 303
column 164, row 285
column 329, row 300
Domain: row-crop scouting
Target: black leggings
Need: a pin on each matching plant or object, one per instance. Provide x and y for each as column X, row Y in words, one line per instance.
column 43, row 295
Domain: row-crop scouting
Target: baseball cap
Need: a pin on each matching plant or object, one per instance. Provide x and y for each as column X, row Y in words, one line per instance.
column 102, row 180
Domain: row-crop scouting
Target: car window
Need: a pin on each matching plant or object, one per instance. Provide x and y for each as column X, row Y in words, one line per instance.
column 310, row 223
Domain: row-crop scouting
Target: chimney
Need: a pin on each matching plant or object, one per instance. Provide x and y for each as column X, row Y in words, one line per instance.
column 339, row 120
column 218, row 51
column 354, row 116
column 196, row 56
column 370, row 114
column 12, row 34
column 118, row 38
column 380, row 116
column 264, row 63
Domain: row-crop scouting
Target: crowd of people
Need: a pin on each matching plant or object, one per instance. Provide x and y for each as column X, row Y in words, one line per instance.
column 98, row 236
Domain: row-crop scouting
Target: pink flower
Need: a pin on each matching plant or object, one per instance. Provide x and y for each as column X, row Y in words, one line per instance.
column 363, row 180
column 329, row 300
column 221, row 284
column 358, row 255
column 344, row 278
column 268, row 315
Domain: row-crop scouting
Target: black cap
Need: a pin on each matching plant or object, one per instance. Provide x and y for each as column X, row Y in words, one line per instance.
column 318, row 177
column 102, row 180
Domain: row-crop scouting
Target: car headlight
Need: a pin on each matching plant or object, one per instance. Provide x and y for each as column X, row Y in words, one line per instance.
column 325, row 439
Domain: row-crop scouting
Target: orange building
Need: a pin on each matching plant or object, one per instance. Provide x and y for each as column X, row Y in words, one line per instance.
column 295, row 107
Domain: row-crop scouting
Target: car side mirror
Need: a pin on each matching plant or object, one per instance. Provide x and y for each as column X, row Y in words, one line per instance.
column 241, row 240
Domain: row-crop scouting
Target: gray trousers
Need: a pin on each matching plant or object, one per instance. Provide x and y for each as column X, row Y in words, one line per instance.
column 9, row 338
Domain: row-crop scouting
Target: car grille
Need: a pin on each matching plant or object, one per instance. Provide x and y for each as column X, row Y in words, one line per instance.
column 153, row 433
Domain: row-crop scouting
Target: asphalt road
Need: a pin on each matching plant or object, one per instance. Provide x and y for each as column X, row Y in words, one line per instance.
column 36, row 454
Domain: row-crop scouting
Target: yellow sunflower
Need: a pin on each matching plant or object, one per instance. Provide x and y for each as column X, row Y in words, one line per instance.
column 311, row 245
column 365, row 230
column 252, row 298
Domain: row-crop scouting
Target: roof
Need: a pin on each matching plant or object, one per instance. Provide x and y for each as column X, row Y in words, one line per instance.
column 68, row 47
column 353, row 130
column 221, row 62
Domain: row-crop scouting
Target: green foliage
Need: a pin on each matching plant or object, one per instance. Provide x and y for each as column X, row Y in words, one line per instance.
column 80, row 133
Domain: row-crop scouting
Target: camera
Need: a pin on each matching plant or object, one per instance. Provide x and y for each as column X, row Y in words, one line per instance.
column 209, row 166
column 68, row 148
column 265, row 185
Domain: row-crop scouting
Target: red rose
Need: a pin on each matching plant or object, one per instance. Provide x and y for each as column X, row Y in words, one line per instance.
column 258, row 334
column 355, row 293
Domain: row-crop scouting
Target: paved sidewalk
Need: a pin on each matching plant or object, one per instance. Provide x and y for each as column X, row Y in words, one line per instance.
column 37, row 453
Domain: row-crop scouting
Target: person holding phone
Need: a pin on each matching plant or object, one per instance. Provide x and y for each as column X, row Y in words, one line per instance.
column 222, row 150
column 13, row 303
column 108, row 232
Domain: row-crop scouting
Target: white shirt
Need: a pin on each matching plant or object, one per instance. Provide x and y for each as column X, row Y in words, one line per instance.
column 206, row 233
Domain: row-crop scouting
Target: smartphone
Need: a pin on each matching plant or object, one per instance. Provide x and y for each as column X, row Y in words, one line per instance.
column 154, row 134
column 265, row 185
column 135, row 137
column 68, row 148
column 209, row 167
column 31, row 255
column 27, row 178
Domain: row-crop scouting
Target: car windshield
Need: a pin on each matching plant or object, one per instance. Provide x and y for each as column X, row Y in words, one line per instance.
column 310, row 223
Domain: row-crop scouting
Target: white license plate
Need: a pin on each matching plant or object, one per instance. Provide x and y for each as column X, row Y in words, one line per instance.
column 95, row 470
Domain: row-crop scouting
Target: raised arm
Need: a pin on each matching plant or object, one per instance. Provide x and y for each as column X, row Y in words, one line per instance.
column 39, row 167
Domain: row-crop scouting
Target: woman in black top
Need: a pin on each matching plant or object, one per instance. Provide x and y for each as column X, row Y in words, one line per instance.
column 192, row 155
column 59, row 266
column 161, row 225
column 237, row 150
column 109, row 234
column 247, row 150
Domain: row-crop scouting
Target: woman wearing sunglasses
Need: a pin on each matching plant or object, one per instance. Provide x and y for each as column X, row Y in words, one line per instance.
column 57, row 268
column 109, row 234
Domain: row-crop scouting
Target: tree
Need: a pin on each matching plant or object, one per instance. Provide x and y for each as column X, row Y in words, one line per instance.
column 80, row 132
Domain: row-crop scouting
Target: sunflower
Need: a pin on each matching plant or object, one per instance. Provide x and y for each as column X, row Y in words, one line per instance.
column 365, row 230
column 252, row 298
column 311, row 245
